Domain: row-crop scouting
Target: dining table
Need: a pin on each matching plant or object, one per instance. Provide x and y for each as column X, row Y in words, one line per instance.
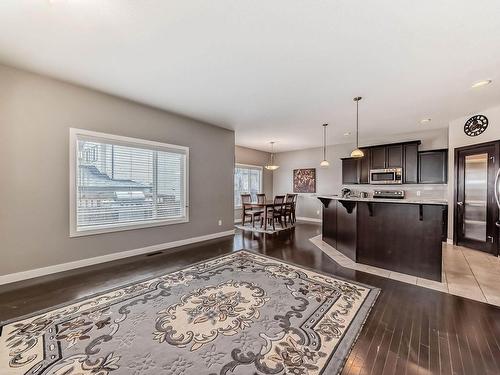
column 265, row 205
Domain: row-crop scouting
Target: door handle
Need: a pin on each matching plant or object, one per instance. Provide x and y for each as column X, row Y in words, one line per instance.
column 460, row 204
column 496, row 187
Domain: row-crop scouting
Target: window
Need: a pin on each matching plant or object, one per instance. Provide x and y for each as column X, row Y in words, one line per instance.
column 120, row 183
column 247, row 180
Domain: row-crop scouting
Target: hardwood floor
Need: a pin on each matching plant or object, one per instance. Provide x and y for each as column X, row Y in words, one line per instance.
column 411, row 330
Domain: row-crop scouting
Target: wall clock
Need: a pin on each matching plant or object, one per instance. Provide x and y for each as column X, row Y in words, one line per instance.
column 475, row 125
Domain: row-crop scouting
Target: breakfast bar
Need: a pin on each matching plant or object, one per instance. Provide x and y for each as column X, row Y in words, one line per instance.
column 395, row 234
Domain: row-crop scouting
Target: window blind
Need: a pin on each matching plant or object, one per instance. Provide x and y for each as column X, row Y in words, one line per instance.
column 247, row 180
column 121, row 184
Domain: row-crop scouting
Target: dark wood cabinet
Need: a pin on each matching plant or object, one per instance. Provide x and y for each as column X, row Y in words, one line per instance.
column 433, row 167
column 390, row 156
column 426, row 167
column 394, row 158
column 356, row 170
column 329, row 228
column 350, row 171
column 364, row 167
column 410, row 163
column 346, row 231
column 377, row 157
column 401, row 237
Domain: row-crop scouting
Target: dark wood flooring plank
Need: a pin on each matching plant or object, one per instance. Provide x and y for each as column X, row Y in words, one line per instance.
column 410, row 329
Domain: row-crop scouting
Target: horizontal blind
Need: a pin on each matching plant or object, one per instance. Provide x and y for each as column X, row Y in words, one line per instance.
column 125, row 184
column 247, row 180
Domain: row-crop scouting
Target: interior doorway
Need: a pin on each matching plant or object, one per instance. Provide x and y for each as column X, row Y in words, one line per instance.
column 476, row 209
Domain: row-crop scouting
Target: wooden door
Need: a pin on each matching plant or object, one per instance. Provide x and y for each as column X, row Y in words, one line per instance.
column 475, row 208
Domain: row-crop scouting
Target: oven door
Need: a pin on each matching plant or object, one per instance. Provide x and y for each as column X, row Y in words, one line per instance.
column 384, row 176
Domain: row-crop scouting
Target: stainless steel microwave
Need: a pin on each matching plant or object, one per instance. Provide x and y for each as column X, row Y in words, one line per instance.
column 388, row 176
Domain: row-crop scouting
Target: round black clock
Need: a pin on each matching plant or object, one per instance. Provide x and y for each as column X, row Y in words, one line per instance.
column 475, row 125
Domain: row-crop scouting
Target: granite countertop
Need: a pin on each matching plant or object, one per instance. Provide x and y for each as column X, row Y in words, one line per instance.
column 442, row 202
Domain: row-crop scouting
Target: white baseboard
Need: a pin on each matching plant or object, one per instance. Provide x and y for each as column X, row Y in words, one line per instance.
column 449, row 241
column 24, row 275
column 236, row 221
column 311, row 219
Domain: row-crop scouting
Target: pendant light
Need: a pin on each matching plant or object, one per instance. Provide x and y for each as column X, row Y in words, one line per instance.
column 357, row 153
column 324, row 163
column 271, row 166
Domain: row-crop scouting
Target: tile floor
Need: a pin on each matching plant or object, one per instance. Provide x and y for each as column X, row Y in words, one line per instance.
column 467, row 273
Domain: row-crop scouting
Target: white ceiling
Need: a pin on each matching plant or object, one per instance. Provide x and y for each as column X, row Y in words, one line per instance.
column 270, row 70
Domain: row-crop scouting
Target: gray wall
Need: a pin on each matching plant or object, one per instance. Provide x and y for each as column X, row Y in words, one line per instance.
column 329, row 180
column 35, row 115
column 250, row 156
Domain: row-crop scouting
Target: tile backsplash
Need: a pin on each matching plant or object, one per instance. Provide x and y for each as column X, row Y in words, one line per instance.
column 429, row 191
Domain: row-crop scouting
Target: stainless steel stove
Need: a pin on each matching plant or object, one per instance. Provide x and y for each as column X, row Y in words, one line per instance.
column 389, row 194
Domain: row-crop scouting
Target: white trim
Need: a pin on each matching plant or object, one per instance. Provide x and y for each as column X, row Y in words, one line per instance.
column 128, row 141
column 250, row 166
column 311, row 219
column 24, row 275
column 236, row 221
column 449, row 241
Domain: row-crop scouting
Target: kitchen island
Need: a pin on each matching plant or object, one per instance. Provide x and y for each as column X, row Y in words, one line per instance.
column 395, row 234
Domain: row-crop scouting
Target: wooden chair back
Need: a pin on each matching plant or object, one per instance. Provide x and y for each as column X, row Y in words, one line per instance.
column 279, row 201
column 290, row 199
column 246, row 198
column 261, row 198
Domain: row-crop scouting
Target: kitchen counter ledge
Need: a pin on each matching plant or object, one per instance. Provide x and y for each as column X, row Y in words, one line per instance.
column 441, row 202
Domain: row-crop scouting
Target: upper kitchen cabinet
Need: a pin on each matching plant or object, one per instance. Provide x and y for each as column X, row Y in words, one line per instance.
column 356, row 170
column 364, row 167
column 410, row 163
column 390, row 156
column 397, row 155
column 433, row 167
column 350, row 171
column 394, row 157
column 378, row 157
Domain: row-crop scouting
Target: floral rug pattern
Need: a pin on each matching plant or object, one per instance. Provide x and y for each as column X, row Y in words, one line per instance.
column 241, row 313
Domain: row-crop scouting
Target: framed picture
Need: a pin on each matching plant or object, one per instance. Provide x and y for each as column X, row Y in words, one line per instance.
column 304, row 180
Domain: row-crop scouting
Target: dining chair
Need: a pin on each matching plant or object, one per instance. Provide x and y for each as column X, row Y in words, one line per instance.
column 252, row 213
column 276, row 212
column 288, row 211
column 294, row 207
column 261, row 198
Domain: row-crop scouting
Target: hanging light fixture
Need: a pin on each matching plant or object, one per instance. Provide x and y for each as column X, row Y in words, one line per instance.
column 271, row 166
column 324, row 163
column 357, row 153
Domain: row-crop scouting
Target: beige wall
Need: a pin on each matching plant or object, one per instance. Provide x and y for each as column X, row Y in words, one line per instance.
column 329, row 180
column 36, row 113
column 244, row 155
column 457, row 138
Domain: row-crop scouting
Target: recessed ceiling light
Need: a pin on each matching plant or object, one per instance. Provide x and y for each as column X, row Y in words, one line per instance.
column 346, row 134
column 425, row 121
column 482, row 83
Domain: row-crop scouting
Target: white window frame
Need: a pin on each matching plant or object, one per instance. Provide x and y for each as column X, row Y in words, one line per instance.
column 126, row 141
column 261, row 188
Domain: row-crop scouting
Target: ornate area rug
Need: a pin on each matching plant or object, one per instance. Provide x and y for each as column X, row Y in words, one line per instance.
column 269, row 229
column 238, row 314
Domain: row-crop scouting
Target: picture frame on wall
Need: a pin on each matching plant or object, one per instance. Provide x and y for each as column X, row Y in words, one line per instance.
column 304, row 180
